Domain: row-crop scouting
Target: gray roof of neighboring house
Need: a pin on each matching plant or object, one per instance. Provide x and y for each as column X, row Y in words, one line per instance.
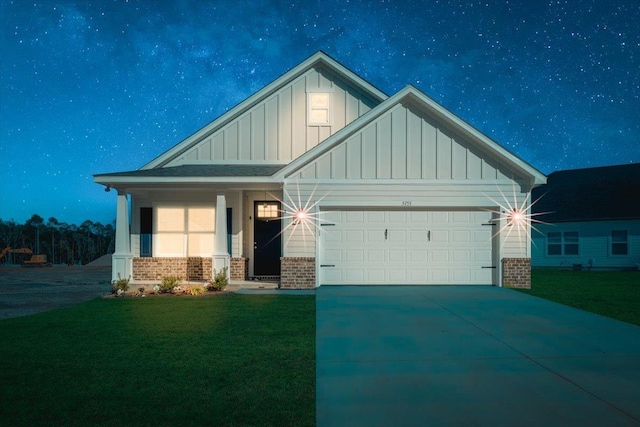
column 201, row 171
column 602, row 193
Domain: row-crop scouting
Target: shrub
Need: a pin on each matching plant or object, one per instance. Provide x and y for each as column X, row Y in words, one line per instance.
column 219, row 281
column 168, row 283
column 121, row 285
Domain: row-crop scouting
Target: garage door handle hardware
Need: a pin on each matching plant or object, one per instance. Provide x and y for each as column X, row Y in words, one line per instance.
column 429, row 235
column 327, row 265
column 489, row 267
column 492, row 224
column 327, row 225
column 385, row 234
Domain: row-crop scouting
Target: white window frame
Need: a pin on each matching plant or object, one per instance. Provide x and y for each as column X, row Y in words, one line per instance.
column 626, row 242
column 311, row 107
column 184, row 233
column 563, row 243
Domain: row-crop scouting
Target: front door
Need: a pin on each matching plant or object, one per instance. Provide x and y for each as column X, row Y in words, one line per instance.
column 267, row 246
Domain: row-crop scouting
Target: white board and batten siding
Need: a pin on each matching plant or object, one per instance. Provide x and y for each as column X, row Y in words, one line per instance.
column 407, row 165
column 275, row 129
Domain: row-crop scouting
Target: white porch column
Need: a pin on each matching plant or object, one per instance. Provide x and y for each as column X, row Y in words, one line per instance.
column 122, row 258
column 221, row 257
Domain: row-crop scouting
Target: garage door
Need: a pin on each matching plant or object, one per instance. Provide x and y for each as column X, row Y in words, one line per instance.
column 406, row 247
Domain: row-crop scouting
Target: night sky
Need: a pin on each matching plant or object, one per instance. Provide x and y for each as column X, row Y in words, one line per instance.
column 103, row 86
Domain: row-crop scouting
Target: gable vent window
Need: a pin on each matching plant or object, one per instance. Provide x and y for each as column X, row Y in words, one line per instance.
column 619, row 242
column 319, row 112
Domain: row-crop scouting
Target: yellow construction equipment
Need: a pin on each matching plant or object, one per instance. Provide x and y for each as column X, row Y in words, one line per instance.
column 10, row 250
column 37, row 261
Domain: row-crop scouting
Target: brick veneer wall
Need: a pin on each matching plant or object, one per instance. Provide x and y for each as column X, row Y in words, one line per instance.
column 155, row 268
column 297, row 273
column 239, row 269
column 516, row 272
column 191, row 268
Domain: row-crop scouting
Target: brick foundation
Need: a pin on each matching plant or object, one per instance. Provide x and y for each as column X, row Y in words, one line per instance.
column 155, row 268
column 239, row 269
column 297, row 273
column 189, row 269
column 516, row 273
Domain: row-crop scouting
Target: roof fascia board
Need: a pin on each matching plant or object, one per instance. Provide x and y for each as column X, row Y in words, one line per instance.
column 119, row 180
column 318, row 58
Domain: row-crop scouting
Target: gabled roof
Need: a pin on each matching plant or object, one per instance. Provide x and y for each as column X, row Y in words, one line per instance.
column 592, row 194
column 411, row 94
column 320, row 58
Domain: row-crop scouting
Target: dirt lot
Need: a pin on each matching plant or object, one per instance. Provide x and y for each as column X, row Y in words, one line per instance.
column 25, row 291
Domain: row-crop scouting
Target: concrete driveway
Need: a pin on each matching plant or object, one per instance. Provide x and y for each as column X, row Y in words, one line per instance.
column 470, row 356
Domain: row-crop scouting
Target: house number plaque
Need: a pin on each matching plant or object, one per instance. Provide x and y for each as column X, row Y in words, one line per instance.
column 406, row 203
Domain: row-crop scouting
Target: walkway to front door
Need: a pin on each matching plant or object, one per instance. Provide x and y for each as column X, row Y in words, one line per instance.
column 455, row 355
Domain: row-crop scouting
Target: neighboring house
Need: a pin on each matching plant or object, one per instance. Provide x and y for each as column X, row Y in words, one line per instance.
column 320, row 178
column 593, row 218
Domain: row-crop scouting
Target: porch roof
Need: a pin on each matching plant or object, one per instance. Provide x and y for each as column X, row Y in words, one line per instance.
column 195, row 171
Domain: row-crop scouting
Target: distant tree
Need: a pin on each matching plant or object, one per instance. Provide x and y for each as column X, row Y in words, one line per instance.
column 61, row 242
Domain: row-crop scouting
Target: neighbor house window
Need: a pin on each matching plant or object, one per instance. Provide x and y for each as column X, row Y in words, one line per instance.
column 319, row 111
column 619, row 242
column 559, row 243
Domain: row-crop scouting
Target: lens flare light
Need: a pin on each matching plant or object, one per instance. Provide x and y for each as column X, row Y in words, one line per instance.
column 518, row 217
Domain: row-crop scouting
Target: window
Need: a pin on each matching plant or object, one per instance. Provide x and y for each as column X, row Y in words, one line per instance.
column 185, row 231
column 146, row 232
column 267, row 210
column 567, row 243
column 619, row 242
column 319, row 111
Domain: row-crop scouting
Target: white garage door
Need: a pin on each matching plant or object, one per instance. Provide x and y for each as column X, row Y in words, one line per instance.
column 406, row 247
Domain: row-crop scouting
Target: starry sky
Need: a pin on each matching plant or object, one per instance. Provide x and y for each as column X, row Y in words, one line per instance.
column 102, row 86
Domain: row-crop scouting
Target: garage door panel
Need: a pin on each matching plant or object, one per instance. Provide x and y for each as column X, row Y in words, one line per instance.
column 397, row 255
column 375, row 216
column 333, row 255
column 439, row 255
column 440, row 236
column 375, row 236
column 418, row 256
column 406, row 247
column 356, row 236
column 461, row 236
column 461, row 255
column 354, row 255
column 397, row 236
column 418, row 236
column 375, row 255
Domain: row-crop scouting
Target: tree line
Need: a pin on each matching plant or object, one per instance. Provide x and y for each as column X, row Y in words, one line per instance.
column 62, row 243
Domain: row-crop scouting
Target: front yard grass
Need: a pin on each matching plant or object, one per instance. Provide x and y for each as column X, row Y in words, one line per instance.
column 228, row 360
column 611, row 294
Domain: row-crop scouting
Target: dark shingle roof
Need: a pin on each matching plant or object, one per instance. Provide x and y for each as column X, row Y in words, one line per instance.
column 603, row 193
column 196, row 171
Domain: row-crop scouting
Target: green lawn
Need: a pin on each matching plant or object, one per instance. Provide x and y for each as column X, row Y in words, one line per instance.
column 228, row 360
column 612, row 294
